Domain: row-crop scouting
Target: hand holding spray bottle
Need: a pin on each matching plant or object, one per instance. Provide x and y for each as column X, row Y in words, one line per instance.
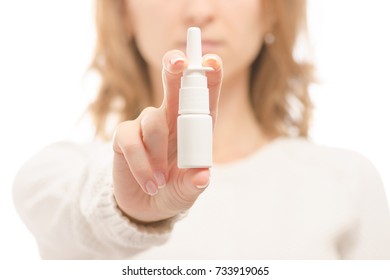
column 142, row 164
column 194, row 124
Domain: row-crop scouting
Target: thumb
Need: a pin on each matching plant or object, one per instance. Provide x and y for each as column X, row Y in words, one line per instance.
column 193, row 183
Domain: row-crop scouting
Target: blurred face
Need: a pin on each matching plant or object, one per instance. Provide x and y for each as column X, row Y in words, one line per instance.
column 233, row 29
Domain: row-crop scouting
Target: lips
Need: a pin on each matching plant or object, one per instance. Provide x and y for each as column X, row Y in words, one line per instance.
column 208, row 46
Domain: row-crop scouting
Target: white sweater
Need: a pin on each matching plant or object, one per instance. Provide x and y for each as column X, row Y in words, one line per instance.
column 290, row 200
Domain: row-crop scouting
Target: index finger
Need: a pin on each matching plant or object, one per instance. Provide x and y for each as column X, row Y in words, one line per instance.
column 174, row 63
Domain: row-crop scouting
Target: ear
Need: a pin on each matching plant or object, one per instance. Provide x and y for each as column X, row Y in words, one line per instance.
column 126, row 20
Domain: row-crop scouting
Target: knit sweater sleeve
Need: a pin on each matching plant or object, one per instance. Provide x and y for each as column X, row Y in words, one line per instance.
column 369, row 235
column 64, row 195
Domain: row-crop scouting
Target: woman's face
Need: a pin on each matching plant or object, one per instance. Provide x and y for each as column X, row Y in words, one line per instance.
column 233, row 29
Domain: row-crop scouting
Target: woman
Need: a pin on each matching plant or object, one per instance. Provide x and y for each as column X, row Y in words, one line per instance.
column 272, row 193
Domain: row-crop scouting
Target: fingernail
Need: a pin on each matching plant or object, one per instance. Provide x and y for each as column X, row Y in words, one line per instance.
column 160, row 178
column 175, row 59
column 151, row 188
column 211, row 57
column 213, row 60
column 203, row 186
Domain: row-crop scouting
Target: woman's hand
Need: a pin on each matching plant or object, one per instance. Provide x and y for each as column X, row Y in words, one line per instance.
column 148, row 186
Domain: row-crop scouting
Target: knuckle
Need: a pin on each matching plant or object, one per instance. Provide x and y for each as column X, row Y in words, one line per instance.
column 153, row 127
column 122, row 127
column 130, row 147
column 125, row 137
column 154, row 131
column 147, row 111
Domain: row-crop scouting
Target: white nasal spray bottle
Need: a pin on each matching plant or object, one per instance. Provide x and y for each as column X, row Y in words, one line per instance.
column 194, row 124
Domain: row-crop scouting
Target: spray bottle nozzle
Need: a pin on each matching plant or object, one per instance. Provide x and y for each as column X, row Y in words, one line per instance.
column 194, row 47
column 194, row 50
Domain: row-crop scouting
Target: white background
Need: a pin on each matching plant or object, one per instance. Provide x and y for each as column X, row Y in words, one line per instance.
column 46, row 46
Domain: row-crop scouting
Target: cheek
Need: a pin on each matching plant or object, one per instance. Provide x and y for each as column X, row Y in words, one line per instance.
column 251, row 44
column 252, row 29
column 150, row 29
column 246, row 42
column 150, row 51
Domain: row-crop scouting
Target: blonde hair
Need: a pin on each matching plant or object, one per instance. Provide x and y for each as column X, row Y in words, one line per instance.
column 278, row 86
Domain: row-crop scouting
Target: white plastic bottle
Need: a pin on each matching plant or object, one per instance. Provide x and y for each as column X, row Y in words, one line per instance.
column 194, row 124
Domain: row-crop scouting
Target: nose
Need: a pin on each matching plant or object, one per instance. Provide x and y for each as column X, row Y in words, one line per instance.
column 199, row 12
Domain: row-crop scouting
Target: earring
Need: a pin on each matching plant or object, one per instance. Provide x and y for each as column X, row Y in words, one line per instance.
column 269, row 38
